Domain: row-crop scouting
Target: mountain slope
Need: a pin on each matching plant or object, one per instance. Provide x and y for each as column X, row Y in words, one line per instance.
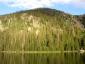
column 81, row 18
column 40, row 29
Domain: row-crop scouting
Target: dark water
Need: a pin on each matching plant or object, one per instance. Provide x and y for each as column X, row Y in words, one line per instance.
column 65, row 58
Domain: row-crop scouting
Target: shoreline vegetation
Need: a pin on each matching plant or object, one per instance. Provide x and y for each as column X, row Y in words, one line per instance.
column 30, row 52
column 41, row 30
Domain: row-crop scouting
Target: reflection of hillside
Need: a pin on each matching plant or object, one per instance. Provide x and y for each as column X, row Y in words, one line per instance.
column 82, row 58
column 67, row 58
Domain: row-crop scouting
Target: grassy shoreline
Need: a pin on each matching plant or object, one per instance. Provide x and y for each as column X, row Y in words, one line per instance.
column 75, row 51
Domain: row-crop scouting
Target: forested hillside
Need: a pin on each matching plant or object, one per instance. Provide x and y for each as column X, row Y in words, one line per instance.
column 41, row 29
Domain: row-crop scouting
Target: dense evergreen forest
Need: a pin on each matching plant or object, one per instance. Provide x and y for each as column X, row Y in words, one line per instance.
column 41, row 29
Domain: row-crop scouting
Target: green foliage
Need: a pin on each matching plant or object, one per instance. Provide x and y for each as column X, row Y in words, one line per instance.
column 40, row 30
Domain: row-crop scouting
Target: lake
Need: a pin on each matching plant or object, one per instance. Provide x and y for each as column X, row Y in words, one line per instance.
column 49, row 58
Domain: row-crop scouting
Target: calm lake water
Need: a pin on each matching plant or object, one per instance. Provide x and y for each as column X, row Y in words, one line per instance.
column 57, row 58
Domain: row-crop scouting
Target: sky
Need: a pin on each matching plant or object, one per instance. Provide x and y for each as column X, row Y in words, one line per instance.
column 74, row 7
